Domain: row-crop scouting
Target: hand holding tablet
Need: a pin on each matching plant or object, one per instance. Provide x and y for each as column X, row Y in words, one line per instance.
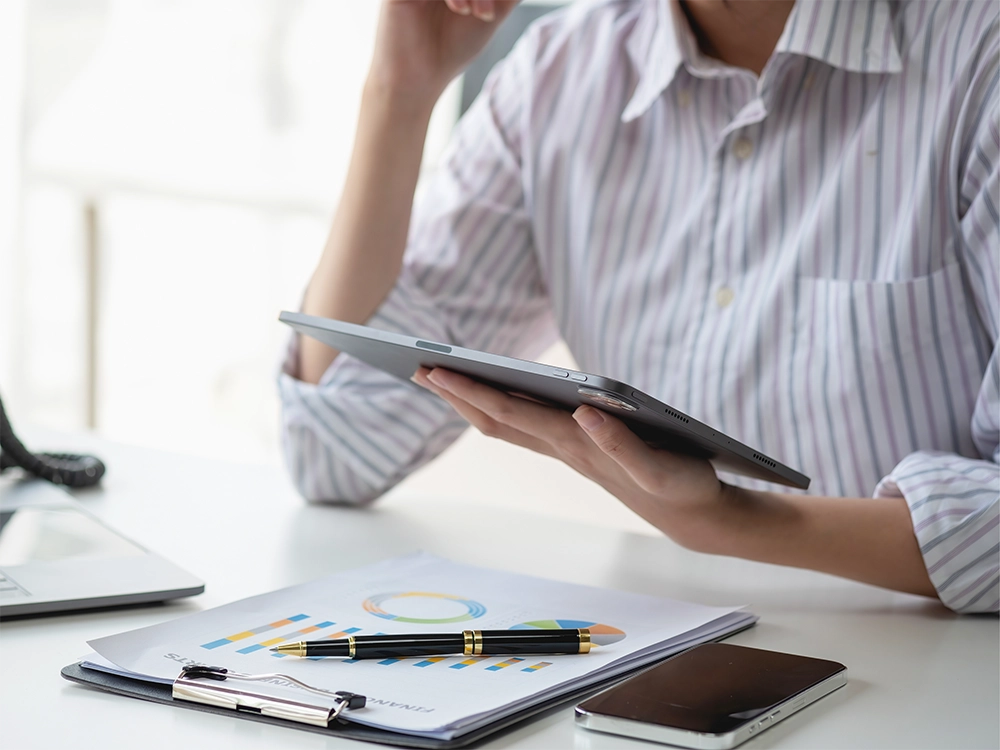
column 658, row 424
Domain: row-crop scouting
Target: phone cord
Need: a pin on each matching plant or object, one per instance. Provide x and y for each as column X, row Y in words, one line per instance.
column 68, row 469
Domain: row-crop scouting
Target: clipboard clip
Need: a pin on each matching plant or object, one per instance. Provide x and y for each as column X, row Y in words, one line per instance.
column 195, row 684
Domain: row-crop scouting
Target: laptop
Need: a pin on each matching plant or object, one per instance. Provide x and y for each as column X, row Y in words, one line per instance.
column 56, row 556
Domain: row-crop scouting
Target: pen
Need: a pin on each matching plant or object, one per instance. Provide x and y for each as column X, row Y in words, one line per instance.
column 468, row 643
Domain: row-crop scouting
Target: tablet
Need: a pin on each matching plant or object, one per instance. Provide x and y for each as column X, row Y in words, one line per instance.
column 659, row 424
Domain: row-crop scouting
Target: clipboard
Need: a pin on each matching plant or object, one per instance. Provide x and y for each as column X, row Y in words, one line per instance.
column 130, row 663
column 341, row 726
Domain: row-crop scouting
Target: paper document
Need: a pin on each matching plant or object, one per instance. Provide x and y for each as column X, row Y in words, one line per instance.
column 439, row 697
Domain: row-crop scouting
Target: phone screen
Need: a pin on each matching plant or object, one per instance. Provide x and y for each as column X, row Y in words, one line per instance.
column 714, row 688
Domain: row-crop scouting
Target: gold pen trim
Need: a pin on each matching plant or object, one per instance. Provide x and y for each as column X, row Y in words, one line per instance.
column 350, row 647
column 477, row 642
column 585, row 644
column 469, row 641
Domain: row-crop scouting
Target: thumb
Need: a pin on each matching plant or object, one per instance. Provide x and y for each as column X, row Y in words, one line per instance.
column 619, row 442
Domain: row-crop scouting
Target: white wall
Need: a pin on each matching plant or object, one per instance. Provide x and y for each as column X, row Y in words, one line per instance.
column 212, row 139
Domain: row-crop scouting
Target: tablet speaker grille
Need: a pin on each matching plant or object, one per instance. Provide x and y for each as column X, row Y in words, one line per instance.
column 677, row 416
column 765, row 461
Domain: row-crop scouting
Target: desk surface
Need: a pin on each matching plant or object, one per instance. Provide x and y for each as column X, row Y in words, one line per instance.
column 920, row 677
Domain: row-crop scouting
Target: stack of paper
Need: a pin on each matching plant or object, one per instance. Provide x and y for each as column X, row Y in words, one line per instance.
column 435, row 697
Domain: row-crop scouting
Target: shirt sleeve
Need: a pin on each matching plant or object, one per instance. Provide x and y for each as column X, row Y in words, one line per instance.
column 470, row 277
column 955, row 501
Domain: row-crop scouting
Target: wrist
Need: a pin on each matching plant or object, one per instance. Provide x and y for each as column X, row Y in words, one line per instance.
column 723, row 526
column 402, row 99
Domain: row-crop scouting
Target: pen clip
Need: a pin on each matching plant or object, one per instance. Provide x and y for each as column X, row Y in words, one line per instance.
column 191, row 686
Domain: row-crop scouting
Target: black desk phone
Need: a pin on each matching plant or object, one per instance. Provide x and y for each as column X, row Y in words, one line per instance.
column 69, row 469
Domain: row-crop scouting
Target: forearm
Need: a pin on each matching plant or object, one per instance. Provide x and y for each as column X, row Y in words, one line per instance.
column 364, row 250
column 865, row 539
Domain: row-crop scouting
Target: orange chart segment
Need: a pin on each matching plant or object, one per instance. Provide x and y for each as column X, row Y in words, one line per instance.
column 600, row 634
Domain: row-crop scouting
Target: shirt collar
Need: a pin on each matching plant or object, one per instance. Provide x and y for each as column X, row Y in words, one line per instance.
column 660, row 42
column 854, row 36
column 848, row 34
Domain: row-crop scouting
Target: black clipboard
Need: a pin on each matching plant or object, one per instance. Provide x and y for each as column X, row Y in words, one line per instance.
column 161, row 693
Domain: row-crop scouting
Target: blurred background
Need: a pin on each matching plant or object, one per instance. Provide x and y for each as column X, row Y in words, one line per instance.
column 168, row 173
column 176, row 165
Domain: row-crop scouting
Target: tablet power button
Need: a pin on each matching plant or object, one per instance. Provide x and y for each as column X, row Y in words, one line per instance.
column 434, row 347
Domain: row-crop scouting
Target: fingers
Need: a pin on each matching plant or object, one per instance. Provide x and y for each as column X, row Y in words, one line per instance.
column 521, row 414
column 482, row 421
column 621, row 444
column 462, row 7
column 541, row 428
column 484, row 10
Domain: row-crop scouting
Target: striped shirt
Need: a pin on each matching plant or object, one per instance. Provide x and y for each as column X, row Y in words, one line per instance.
column 807, row 260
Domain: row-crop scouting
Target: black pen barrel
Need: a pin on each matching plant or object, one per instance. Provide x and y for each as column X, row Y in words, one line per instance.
column 420, row 644
column 468, row 643
column 384, row 646
column 339, row 647
column 499, row 642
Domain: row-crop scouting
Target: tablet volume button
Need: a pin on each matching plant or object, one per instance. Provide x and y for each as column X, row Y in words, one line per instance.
column 560, row 373
column 434, row 347
column 578, row 377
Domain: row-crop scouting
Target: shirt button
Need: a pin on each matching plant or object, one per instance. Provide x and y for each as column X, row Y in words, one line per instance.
column 684, row 98
column 724, row 296
column 742, row 148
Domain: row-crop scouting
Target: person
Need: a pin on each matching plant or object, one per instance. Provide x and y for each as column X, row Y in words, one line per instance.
column 778, row 217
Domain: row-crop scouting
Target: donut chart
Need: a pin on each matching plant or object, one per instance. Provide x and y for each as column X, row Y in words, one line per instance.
column 600, row 634
column 447, row 607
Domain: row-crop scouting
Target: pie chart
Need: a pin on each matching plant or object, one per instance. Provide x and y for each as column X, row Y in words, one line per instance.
column 600, row 635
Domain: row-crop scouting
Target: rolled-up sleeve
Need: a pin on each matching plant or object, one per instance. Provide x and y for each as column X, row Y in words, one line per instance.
column 470, row 277
column 955, row 501
column 954, row 506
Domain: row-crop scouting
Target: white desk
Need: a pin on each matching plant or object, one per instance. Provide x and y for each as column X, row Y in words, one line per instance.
column 920, row 677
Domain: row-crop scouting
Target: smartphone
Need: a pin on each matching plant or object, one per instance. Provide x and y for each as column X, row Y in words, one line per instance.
column 712, row 696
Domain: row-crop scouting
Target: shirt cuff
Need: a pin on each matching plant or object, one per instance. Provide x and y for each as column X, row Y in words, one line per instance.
column 955, row 508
